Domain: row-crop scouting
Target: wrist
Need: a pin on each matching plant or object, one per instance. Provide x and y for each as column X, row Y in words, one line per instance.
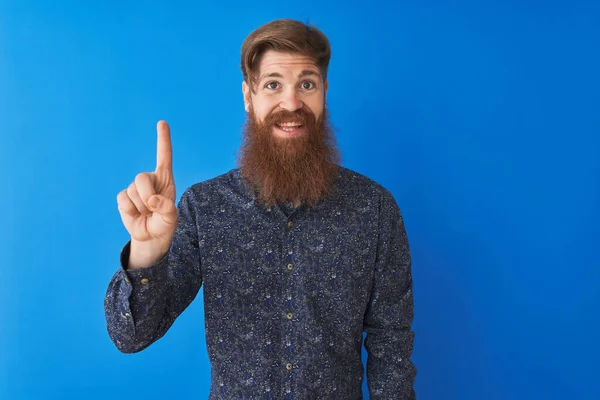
column 145, row 254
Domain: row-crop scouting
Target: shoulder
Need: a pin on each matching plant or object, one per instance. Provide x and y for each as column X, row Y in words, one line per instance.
column 224, row 179
column 363, row 192
column 355, row 183
column 213, row 187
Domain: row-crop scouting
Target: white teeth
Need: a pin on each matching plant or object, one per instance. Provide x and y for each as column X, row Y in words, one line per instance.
column 290, row 124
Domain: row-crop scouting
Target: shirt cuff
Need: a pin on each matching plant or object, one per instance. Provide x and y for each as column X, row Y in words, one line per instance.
column 143, row 277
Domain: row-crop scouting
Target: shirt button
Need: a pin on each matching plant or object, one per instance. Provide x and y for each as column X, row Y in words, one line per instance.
column 144, row 281
column 290, row 224
column 289, row 366
column 290, row 266
column 289, row 315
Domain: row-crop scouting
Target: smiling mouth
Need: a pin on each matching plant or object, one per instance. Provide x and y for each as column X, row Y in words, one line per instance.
column 289, row 126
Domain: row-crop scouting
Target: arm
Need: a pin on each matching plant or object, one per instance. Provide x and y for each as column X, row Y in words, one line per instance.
column 388, row 320
column 141, row 304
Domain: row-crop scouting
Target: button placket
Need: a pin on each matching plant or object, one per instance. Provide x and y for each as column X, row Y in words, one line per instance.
column 287, row 303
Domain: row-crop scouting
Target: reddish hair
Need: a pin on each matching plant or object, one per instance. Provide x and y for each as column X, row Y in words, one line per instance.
column 287, row 36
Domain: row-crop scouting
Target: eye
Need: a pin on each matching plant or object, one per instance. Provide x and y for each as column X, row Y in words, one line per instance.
column 272, row 85
column 308, row 85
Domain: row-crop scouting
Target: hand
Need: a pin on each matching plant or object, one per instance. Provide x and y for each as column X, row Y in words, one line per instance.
column 147, row 206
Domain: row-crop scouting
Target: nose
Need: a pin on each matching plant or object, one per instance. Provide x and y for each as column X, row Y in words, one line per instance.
column 290, row 101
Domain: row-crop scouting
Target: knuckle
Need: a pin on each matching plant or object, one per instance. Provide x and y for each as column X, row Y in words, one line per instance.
column 122, row 196
column 132, row 189
column 141, row 177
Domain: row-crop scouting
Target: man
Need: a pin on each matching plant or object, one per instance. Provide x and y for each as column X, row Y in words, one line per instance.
column 298, row 255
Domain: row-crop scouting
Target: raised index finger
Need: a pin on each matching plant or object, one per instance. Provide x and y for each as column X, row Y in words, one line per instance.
column 164, row 152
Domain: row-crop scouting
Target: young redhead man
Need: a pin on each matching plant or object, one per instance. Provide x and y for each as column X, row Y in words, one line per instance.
column 298, row 256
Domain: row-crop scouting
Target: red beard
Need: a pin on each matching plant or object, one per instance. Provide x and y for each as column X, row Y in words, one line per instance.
column 297, row 169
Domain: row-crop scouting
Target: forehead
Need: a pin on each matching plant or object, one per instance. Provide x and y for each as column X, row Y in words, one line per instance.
column 285, row 63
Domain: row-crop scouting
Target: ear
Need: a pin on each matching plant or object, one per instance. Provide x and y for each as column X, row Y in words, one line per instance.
column 326, row 84
column 246, row 93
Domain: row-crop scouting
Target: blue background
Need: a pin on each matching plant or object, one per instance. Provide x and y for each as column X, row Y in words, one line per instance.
column 482, row 118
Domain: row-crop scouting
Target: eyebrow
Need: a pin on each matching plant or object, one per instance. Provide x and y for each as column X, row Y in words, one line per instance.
column 305, row 72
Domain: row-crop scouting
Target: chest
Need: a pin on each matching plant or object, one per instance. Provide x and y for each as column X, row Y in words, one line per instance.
column 326, row 255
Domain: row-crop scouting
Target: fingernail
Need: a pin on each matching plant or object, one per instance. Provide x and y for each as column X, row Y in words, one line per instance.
column 154, row 202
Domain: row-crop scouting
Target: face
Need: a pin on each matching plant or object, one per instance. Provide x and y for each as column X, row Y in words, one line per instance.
column 286, row 83
column 289, row 151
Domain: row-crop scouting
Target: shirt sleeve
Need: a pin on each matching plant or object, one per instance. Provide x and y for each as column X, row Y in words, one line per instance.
column 389, row 316
column 140, row 305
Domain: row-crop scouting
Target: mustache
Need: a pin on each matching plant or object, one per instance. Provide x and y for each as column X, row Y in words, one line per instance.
column 302, row 115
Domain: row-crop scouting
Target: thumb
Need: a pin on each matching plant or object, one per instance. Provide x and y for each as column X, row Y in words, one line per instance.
column 164, row 206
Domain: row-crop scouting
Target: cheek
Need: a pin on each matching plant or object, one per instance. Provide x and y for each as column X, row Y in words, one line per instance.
column 316, row 106
column 260, row 115
column 317, row 111
column 260, row 109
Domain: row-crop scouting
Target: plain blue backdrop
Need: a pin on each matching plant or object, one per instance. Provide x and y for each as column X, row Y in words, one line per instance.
column 481, row 117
